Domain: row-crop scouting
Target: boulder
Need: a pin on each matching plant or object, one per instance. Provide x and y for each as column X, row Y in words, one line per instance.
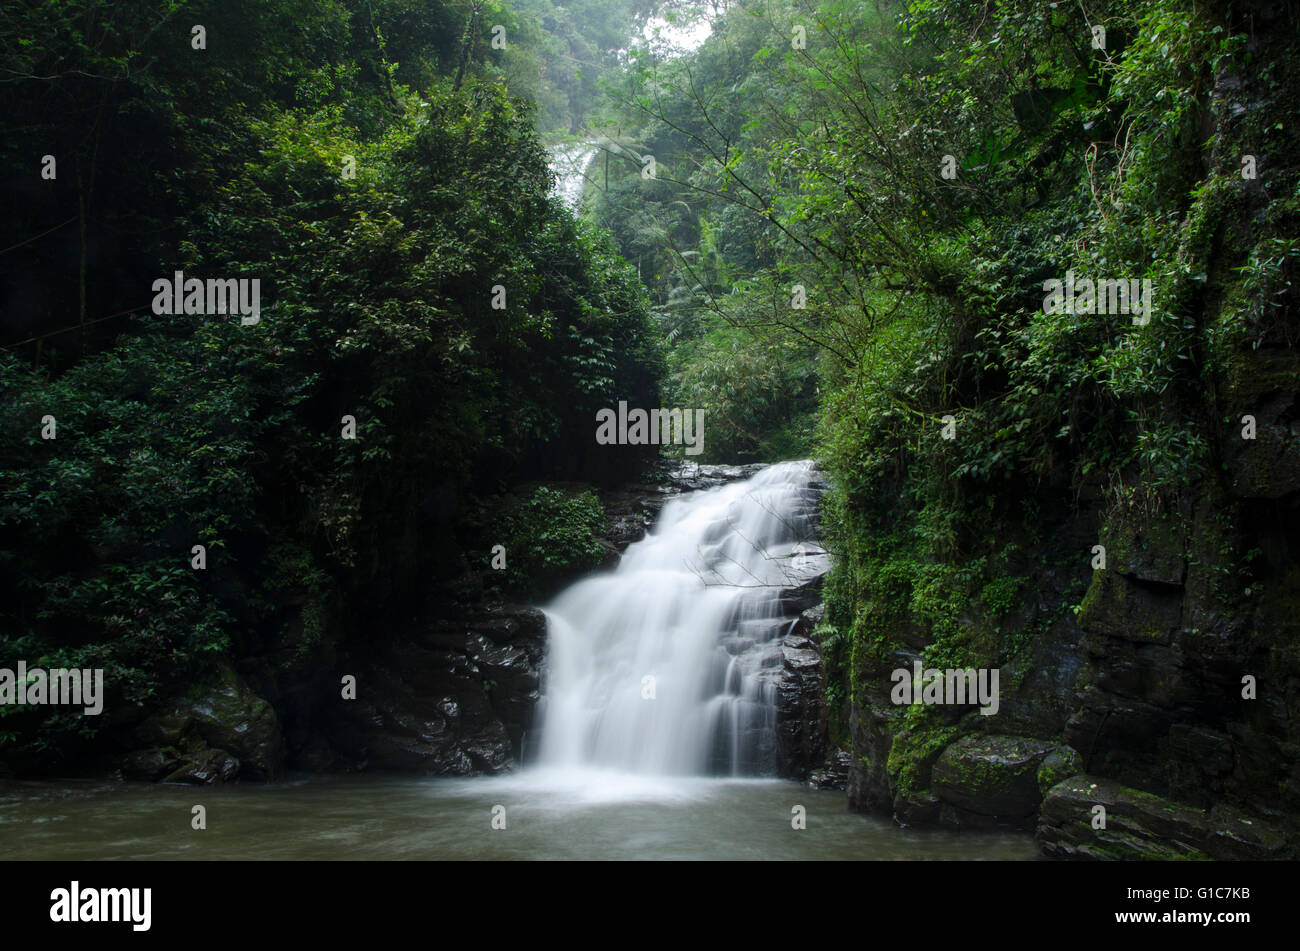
column 231, row 717
column 992, row 776
column 224, row 715
column 692, row 476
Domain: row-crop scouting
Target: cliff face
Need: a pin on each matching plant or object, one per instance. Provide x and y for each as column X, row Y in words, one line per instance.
column 1170, row 698
column 1160, row 683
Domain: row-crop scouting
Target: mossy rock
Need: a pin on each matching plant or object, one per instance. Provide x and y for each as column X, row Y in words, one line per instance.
column 991, row 775
column 1140, row 825
column 1149, row 549
column 1118, row 607
column 1059, row 764
column 912, row 753
column 225, row 715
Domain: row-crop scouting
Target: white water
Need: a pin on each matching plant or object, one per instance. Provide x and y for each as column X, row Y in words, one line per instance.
column 688, row 30
column 569, row 163
column 696, row 606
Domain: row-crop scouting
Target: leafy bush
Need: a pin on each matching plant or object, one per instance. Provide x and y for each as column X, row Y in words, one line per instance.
column 549, row 538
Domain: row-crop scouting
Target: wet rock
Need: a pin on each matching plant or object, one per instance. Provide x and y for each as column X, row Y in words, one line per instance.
column 506, row 623
column 226, row 716
column 489, row 750
column 418, row 709
column 205, row 767
column 803, row 597
column 628, row 514
column 808, row 621
column 871, row 728
column 1060, row 763
column 1140, row 825
column 993, row 776
column 231, row 717
column 800, row 707
column 834, row 774
column 692, row 477
column 919, row 809
column 457, row 700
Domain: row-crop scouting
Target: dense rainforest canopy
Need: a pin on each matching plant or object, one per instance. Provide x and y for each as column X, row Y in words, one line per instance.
column 336, row 152
column 842, row 247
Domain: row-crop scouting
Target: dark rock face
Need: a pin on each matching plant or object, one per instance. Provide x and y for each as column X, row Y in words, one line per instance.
column 800, row 700
column 834, row 773
column 225, row 732
column 871, row 729
column 1144, row 688
column 1150, row 683
column 455, row 701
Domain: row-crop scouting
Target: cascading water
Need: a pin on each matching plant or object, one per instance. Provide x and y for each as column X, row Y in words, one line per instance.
column 668, row 665
column 569, row 163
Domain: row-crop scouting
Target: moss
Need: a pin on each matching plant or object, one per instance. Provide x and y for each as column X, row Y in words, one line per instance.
column 1058, row 765
column 870, row 643
column 1088, row 607
column 912, row 754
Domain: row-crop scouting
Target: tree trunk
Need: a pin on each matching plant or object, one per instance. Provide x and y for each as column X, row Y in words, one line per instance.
column 467, row 44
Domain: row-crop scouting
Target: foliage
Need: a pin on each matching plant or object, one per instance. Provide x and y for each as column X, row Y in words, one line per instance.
column 377, row 303
column 548, row 538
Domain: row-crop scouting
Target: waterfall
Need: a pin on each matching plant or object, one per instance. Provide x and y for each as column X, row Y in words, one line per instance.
column 668, row 665
column 569, row 163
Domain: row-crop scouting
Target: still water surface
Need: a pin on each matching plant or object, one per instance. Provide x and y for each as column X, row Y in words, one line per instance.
column 569, row 815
